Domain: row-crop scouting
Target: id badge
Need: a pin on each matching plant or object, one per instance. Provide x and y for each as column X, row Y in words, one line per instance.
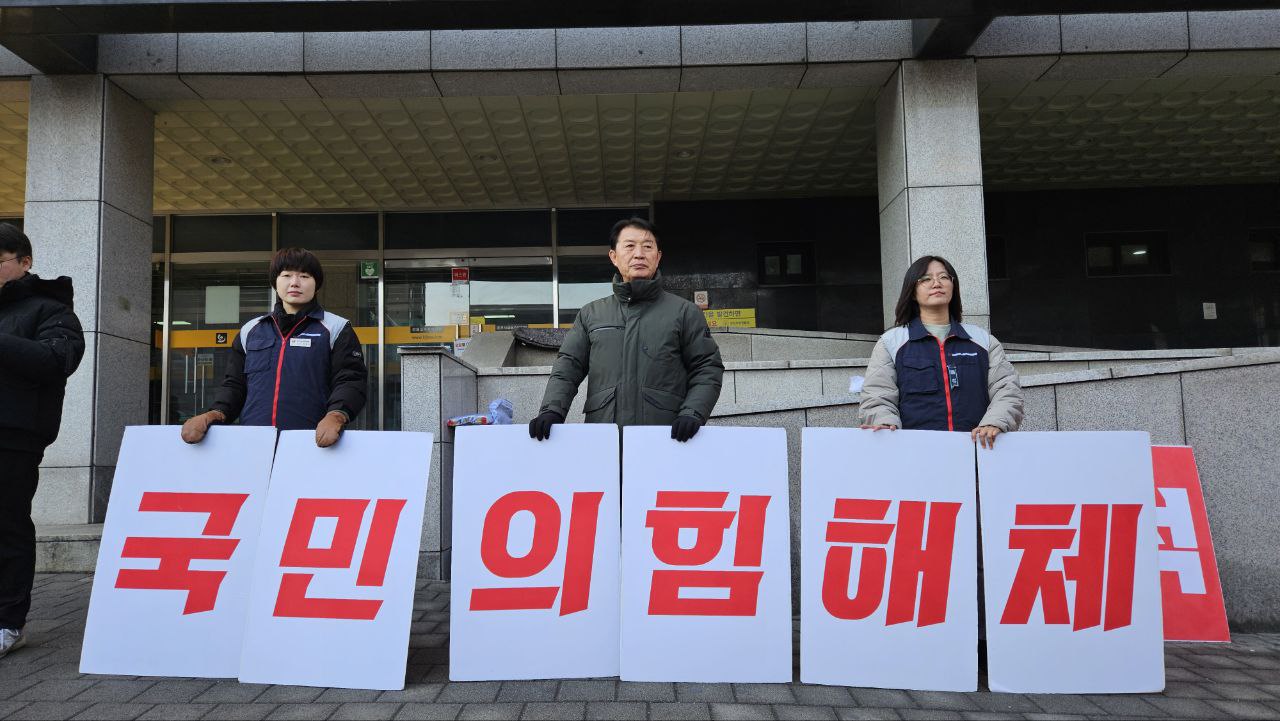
column 299, row 342
column 953, row 374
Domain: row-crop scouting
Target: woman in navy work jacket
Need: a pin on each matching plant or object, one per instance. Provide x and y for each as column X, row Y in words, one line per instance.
column 932, row 372
column 298, row 367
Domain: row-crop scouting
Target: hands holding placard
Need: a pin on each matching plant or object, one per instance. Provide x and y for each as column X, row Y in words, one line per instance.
column 328, row 431
column 194, row 430
column 982, row 435
column 684, row 427
column 540, row 427
column 986, row 436
column 330, row 428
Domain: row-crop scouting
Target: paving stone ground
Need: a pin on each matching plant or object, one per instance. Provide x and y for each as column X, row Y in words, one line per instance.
column 1240, row 680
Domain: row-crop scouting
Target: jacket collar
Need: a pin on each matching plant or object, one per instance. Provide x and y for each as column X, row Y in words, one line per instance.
column 312, row 310
column 638, row 290
column 58, row 289
column 916, row 330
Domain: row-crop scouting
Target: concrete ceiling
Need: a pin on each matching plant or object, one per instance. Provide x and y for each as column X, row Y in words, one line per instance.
column 565, row 151
column 1098, row 132
column 511, row 151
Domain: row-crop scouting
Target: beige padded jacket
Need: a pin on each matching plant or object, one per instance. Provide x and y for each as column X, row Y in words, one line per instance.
column 880, row 392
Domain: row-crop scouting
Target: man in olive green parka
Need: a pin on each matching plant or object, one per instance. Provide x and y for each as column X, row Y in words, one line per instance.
column 648, row 355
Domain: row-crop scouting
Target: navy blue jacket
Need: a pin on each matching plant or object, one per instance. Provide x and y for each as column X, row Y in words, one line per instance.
column 916, row 381
column 289, row 371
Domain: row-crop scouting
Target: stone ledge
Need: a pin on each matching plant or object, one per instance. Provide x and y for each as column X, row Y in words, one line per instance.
column 824, row 335
column 1178, row 353
column 1170, row 357
column 67, row 548
column 515, row 371
column 791, row 404
column 415, row 350
column 1197, row 364
column 1263, row 357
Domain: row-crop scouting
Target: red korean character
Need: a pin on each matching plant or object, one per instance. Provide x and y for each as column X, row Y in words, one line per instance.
column 176, row 554
column 915, row 562
column 711, row 524
column 292, row 600
column 1103, row 560
column 579, row 555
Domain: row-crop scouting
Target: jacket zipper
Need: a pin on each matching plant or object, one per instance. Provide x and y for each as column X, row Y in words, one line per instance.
column 284, row 343
column 946, row 382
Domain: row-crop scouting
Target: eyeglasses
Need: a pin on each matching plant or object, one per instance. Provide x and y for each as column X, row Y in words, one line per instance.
column 16, row 257
column 941, row 278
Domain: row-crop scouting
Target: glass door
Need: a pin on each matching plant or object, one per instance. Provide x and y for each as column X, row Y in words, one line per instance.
column 210, row 301
column 440, row 302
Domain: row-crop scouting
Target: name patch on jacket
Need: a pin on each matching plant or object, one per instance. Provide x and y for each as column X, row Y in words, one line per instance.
column 300, row 342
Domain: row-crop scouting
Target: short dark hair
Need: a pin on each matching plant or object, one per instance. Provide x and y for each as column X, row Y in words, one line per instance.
column 14, row 241
column 299, row 259
column 632, row 222
column 908, row 309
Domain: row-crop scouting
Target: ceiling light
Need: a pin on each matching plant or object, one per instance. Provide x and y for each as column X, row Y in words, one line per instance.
column 221, row 161
column 1139, row 252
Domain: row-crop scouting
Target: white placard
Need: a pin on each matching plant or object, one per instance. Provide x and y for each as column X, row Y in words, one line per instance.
column 535, row 553
column 888, row 555
column 1073, row 592
column 334, row 579
column 714, row 602
column 188, row 518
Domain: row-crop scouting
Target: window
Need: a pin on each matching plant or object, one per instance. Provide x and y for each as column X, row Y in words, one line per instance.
column 591, row 227
column 157, row 234
column 997, row 263
column 786, row 263
column 329, row 231
column 501, row 229
column 217, row 233
column 1264, row 249
column 1127, row 253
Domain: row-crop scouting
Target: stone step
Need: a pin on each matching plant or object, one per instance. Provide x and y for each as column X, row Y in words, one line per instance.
column 67, row 549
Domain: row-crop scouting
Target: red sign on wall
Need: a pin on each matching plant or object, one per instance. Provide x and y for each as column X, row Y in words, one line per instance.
column 1190, row 590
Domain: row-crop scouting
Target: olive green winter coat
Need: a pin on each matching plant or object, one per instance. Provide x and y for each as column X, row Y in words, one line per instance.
column 648, row 357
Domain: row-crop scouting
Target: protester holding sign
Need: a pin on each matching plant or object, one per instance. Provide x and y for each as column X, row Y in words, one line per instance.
column 298, row 367
column 647, row 355
column 932, row 372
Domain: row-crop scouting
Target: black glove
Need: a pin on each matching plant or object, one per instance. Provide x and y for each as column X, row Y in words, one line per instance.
column 685, row 427
column 540, row 427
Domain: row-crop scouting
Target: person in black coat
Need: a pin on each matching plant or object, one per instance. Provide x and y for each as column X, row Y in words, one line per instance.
column 41, row 345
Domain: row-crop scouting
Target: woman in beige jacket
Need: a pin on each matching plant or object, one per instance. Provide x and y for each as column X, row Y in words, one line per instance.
column 932, row 372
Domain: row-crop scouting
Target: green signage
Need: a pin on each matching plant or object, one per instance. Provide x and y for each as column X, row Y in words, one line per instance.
column 369, row 270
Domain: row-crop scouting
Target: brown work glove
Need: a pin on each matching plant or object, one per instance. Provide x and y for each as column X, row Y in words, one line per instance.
column 194, row 430
column 330, row 428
